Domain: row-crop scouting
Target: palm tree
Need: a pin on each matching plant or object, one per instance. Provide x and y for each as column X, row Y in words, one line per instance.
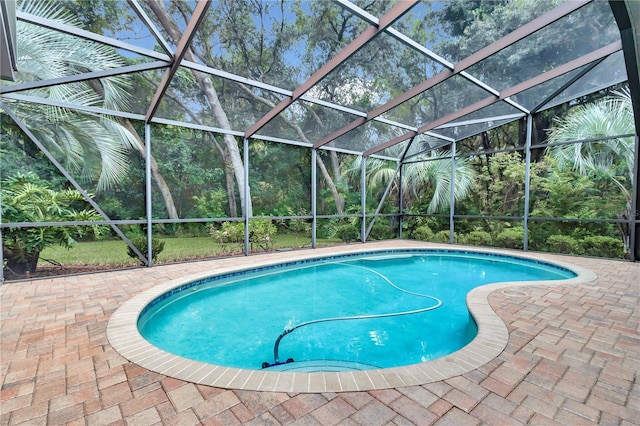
column 421, row 177
column 611, row 116
column 88, row 144
column 608, row 159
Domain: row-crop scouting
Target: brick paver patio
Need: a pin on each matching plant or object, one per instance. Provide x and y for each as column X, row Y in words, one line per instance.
column 572, row 358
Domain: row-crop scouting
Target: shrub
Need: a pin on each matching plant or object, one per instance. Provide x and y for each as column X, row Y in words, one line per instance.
column 477, row 238
column 229, row 232
column 380, row 231
column 261, row 232
column 563, row 244
column 511, row 238
column 232, row 234
column 602, row 246
column 296, row 226
column 347, row 233
column 28, row 198
column 140, row 242
column 442, row 236
column 423, row 233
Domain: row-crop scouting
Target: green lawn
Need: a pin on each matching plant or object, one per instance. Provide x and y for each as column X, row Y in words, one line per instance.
column 114, row 253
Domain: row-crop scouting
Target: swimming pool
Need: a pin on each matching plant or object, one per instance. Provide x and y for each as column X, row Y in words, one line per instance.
column 372, row 310
column 490, row 341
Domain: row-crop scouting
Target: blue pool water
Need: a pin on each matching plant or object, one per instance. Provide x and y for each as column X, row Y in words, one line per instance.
column 235, row 320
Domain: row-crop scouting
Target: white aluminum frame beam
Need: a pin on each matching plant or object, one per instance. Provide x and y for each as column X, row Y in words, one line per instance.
column 396, row 12
column 181, row 50
column 68, row 29
column 459, row 68
column 551, row 74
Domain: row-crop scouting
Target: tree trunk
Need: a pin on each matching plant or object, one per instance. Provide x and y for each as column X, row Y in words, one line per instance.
column 230, row 142
column 172, row 212
column 332, row 187
column 335, row 164
column 17, row 268
column 228, row 174
column 204, row 81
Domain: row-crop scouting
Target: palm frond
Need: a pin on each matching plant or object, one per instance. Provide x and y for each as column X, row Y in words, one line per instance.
column 84, row 143
column 418, row 177
column 611, row 116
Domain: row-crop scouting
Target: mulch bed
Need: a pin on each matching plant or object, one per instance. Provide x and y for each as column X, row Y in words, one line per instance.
column 54, row 271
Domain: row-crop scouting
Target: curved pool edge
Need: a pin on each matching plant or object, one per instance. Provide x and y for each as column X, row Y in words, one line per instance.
column 491, row 340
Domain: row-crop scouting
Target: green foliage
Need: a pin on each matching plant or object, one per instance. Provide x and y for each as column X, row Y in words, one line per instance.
column 189, row 229
column 571, row 195
column 27, row 198
column 567, row 194
column 23, row 156
column 423, row 233
column 347, row 233
column 140, row 242
column 563, row 244
column 229, row 232
column 261, row 233
column 479, row 23
column 194, row 170
column 477, row 238
column 555, row 192
column 602, row 246
column 381, row 230
column 230, row 235
column 442, row 236
column 210, row 204
column 560, row 194
column 608, row 159
column 499, row 188
column 410, row 224
column 608, row 163
column 426, row 185
column 297, row 226
column 511, row 238
column 279, row 178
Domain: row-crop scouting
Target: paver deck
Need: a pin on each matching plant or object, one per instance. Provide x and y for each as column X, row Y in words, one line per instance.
column 572, row 358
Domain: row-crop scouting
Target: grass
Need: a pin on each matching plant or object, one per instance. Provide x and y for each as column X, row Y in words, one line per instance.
column 114, row 253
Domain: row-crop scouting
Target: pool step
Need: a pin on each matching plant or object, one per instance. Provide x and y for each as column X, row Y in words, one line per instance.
column 323, row 365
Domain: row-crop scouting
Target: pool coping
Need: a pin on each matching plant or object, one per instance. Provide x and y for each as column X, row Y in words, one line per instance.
column 491, row 340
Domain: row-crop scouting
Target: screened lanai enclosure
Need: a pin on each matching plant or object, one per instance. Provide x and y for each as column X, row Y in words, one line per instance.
column 141, row 132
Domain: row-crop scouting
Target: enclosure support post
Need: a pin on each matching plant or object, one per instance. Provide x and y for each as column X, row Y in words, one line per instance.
column 363, row 198
column 383, row 199
column 629, row 38
column 1, row 255
column 314, row 206
column 452, row 193
column 527, row 182
column 400, row 201
column 245, row 210
column 147, row 165
column 634, row 225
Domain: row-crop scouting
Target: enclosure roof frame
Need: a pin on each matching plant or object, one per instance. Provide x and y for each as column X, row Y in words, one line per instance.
column 398, row 10
column 174, row 60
